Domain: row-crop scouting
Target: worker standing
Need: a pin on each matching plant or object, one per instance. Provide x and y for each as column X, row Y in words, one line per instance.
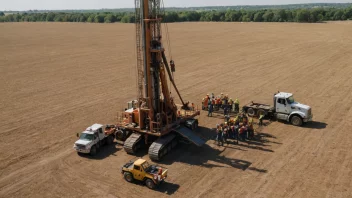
column 232, row 132
column 220, row 136
column 219, row 102
column 225, row 135
column 241, row 132
column 261, row 120
column 210, row 110
column 237, row 105
column 250, row 131
column 230, row 104
column 237, row 136
column 225, row 110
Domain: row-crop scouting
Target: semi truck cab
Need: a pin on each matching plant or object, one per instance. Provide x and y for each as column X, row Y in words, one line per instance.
column 286, row 108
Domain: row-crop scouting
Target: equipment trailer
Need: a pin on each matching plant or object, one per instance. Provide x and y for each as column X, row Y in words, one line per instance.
column 154, row 119
column 285, row 108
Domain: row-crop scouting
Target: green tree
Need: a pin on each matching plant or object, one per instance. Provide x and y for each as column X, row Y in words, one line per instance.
column 58, row 18
column 99, row 18
column 82, row 18
column 91, row 18
column 289, row 16
column 171, row 17
column 2, row 14
column 258, row 17
column 338, row 15
column 303, row 15
column 50, row 16
column 126, row 19
column 109, row 18
column 348, row 13
column 268, row 16
column 320, row 18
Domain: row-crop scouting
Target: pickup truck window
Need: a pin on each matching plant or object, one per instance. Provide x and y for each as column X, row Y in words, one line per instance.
column 145, row 165
column 137, row 167
column 85, row 136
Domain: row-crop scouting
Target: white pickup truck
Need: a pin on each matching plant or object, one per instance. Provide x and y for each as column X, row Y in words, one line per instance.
column 285, row 108
column 93, row 138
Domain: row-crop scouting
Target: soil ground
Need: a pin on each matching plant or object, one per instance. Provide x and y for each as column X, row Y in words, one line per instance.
column 59, row 78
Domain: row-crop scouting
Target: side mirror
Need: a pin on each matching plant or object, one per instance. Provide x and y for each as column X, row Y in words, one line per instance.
column 77, row 134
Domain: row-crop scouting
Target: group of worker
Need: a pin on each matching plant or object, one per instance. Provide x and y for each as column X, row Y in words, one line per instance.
column 213, row 102
column 239, row 128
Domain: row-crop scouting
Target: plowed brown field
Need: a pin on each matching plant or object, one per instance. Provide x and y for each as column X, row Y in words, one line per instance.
column 59, row 78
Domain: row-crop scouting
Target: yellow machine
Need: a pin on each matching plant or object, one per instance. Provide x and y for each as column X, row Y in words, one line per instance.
column 141, row 170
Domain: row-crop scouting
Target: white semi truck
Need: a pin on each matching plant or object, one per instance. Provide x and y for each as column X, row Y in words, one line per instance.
column 285, row 108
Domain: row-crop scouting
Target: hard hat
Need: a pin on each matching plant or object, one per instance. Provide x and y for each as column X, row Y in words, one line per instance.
column 222, row 94
column 207, row 94
column 225, row 122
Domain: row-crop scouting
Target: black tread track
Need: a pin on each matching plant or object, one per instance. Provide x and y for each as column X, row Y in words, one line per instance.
column 162, row 146
column 131, row 143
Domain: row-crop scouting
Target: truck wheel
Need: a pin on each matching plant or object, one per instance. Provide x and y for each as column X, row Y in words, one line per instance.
column 260, row 112
column 120, row 135
column 128, row 176
column 150, row 184
column 93, row 151
column 251, row 112
column 110, row 140
column 296, row 121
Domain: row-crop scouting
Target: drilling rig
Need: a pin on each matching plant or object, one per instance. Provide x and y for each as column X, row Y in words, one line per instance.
column 154, row 119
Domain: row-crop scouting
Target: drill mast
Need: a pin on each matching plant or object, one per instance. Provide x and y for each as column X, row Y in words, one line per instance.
column 159, row 109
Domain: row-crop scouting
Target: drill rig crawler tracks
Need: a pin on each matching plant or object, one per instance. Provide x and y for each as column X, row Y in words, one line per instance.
column 162, row 146
column 133, row 143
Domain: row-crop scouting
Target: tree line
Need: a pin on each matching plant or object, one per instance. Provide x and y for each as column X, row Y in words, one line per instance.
column 264, row 15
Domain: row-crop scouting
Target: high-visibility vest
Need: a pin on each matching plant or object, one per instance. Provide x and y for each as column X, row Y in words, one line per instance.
column 237, row 102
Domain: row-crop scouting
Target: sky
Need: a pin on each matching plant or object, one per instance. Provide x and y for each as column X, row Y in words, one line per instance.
column 20, row 5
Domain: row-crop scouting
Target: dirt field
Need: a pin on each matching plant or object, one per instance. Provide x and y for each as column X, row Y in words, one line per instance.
column 57, row 79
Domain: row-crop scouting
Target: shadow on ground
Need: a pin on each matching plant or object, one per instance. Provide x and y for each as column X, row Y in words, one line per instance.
column 103, row 152
column 310, row 125
column 315, row 125
column 168, row 188
column 165, row 187
column 209, row 157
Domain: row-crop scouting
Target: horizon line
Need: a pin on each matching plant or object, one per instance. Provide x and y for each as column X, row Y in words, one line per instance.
column 171, row 7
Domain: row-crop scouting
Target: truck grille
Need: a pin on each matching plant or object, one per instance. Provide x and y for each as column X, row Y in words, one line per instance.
column 80, row 146
column 310, row 112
